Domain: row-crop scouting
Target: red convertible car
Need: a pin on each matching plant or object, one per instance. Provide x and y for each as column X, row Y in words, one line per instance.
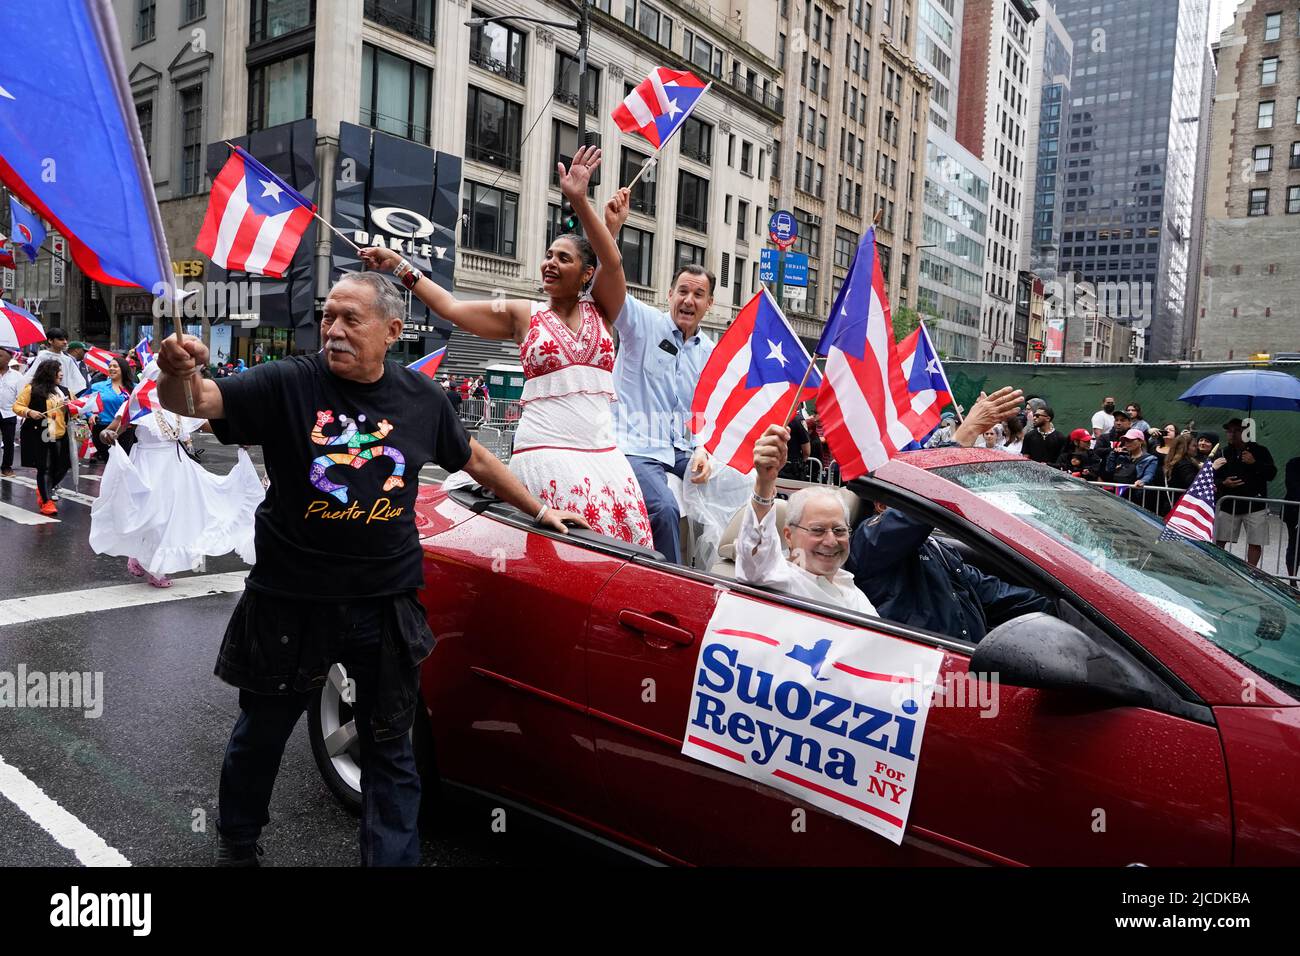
column 1154, row 719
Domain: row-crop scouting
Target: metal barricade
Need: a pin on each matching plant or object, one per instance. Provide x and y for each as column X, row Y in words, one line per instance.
column 494, row 411
column 499, row 441
column 1157, row 499
column 1280, row 526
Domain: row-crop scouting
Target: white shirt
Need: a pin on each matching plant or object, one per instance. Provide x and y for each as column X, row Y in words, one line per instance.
column 759, row 561
column 1103, row 421
column 73, row 380
column 11, row 383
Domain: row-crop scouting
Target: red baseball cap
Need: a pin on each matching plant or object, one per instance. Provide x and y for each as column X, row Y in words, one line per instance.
column 1080, row 434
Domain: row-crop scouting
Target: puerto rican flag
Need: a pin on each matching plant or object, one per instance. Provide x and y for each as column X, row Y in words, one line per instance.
column 6, row 257
column 864, row 402
column 255, row 219
column 927, row 383
column 98, row 359
column 750, row 381
column 144, row 353
column 659, row 104
column 1193, row 516
column 143, row 399
column 429, row 364
column 89, row 403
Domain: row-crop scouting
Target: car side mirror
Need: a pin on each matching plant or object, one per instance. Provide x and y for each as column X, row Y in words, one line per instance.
column 1042, row 651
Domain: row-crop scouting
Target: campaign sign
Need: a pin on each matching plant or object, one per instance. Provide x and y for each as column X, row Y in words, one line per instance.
column 783, row 228
column 829, row 713
column 767, row 265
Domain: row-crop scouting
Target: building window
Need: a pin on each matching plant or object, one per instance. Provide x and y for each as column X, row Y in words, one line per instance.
column 1264, row 118
column 637, row 247
column 643, row 193
column 554, row 226
column 692, row 201
column 144, row 117
column 1268, row 71
column 279, row 92
column 1263, row 159
column 566, row 82
column 191, row 140
column 1272, row 26
column 1293, row 199
column 275, row 18
column 498, row 49
column 564, row 143
column 492, row 129
column 1258, row 202
column 739, row 291
column 685, row 253
column 810, row 236
column 649, row 21
column 746, row 158
column 194, row 10
column 395, row 94
column 1295, row 155
column 742, row 221
column 414, row 18
column 702, row 53
column 846, row 244
column 697, row 140
column 493, row 217
column 145, row 17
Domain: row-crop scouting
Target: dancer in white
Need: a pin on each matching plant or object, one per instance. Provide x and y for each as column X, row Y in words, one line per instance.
column 161, row 509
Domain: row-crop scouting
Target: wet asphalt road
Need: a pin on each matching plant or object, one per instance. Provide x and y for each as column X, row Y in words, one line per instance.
column 143, row 775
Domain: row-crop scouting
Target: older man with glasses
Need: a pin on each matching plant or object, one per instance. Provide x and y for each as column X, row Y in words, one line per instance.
column 816, row 532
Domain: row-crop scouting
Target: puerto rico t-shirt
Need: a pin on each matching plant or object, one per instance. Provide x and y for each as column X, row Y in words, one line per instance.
column 344, row 460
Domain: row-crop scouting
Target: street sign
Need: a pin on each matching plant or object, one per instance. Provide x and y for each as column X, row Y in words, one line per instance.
column 59, row 245
column 783, row 228
column 767, row 265
column 795, row 272
column 796, row 295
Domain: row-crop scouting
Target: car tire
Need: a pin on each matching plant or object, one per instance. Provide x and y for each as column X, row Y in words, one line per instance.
column 336, row 749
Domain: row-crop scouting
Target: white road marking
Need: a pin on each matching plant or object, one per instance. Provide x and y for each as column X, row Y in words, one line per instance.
column 64, row 494
column 90, row 477
column 23, row 516
column 66, row 829
column 40, row 607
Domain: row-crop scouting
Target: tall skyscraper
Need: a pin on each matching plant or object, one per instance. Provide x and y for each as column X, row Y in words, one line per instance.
column 1130, row 163
column 1049, row 102
column 993, row 124
column 951, row 283
column 1250, row 275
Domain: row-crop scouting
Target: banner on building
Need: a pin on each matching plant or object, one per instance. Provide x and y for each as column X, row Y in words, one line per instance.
column 1054, row 346
column 395, row 193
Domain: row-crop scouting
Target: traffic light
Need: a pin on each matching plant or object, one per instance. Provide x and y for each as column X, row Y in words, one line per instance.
column 568, row 218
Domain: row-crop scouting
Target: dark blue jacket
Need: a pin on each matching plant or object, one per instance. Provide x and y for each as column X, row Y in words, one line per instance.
column 914, row 580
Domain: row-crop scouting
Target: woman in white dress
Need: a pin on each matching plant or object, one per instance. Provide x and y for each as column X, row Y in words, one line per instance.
column 162, row 510
column 564, row 451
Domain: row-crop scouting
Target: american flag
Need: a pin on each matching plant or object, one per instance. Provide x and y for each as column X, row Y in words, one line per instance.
column 864, row 402
column 659, row 104
column 1193, row 516
column 750, row 381
column 255, row 219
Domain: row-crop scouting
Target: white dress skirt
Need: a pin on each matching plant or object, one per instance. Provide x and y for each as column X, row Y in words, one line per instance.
column 164, row 509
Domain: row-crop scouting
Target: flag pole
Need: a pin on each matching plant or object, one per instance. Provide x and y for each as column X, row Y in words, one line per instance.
column 812, row 360
column 317, row 215
column 644, row 166
column 929, row 344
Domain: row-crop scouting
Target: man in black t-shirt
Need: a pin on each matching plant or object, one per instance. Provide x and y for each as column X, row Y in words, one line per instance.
column 344, row 434
column 1043, row 443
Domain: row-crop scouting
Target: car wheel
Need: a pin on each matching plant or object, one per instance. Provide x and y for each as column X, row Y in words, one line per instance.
column 336, row 748
column 334, row 741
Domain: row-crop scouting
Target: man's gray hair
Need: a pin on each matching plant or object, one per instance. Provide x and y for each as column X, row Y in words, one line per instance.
column 799, row 500
column 387, row 299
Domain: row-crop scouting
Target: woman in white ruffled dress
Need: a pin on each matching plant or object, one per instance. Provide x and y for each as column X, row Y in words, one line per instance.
column 564, row 450
column 164, row 511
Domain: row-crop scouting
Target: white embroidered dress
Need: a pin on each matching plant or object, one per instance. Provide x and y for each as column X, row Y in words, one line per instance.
column 564, row 450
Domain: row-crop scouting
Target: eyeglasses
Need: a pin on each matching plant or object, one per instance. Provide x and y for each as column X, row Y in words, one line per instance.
column 819, row 531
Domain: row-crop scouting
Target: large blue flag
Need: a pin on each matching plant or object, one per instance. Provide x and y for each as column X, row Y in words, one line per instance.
column 27, row 229
column 70, row 145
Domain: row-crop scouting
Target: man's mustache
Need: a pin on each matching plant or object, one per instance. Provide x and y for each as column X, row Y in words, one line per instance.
column 339, row 346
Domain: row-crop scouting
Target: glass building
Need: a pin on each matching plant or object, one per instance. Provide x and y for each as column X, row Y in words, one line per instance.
column 1049, row 100
column 1129, row 159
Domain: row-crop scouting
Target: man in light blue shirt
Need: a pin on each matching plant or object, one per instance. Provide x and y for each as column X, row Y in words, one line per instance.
column 661, row 356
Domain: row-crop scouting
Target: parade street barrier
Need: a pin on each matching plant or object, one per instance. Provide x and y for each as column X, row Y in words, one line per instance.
column 498, row 412
column 1283, row 525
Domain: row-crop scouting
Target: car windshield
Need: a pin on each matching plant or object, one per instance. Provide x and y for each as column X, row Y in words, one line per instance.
column 1245, row 612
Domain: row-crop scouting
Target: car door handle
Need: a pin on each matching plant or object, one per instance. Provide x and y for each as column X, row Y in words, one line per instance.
column 653, row 627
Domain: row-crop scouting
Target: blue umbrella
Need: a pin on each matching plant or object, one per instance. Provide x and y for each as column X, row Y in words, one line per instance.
column 1248, row 389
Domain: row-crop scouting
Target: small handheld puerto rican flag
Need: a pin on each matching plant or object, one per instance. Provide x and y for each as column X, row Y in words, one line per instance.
column 659, row 104
column 429, row 364
column 1193, row 516
column 88, row 403
column 144, row 353
column 97, row 359
column 143, row 397
column 255, row 219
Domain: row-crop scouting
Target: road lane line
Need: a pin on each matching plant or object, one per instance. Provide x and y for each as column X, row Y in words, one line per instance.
column 64, row 493
column 23, row 516
column 40, row 607
column 46, row 812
